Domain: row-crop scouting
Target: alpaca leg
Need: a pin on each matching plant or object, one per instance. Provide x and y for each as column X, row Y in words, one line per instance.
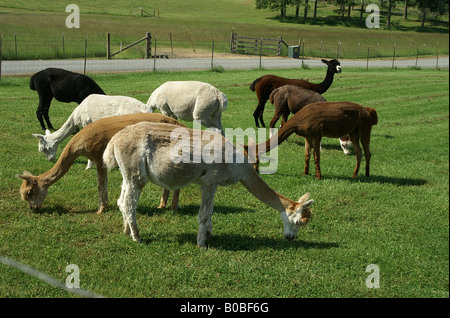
column 128, row 207
column 175, row 198
column 365, row 140
column 164, row 198
column 89, row 165
column 204, row 214
column 308, row 144
column 45, row 99
column 47, row 118
column 354, row 138
column 275, row 118
column 317, row 145
column 102, row 180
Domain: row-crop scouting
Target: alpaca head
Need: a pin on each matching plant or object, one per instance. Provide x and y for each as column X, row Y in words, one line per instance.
column 46, row 146
column 32, row 191
column 333, row 65
column 296, row 216
column 346, row 144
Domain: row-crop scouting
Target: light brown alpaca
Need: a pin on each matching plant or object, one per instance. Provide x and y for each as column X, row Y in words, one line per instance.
column 89, row 142
column 332, row 119
column 174, row 157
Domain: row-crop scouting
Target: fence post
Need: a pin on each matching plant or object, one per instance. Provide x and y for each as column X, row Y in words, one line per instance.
column 338, row 50
column 85, row 53
column 154, row 56
column 64, row 49
column 303, row 54
column 15, row 43
column 437, row 55
column 393, row 57
column 212, row 55
column 417, row 56
column 148, row 45
column 108, row 46
column 368, row 53
column 260, row 54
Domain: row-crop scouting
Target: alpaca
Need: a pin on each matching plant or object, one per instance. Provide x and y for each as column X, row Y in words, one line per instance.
column 264, row 85
column 89, row 142
column 190, row 100
column 290, row 99
column 151, row 151
column 92, row 108
column 64, row 86
column 331, row 119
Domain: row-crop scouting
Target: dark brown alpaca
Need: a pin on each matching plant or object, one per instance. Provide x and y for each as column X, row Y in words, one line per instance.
column 264, row 85
column 289, row 99
column 332, row 119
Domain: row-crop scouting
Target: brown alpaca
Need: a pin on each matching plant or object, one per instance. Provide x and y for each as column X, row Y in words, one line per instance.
column 333, row 120
column 264, row 85
column 289, row 99
column 89, row 142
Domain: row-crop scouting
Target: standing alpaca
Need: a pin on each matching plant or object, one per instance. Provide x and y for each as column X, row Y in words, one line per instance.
column 190, row 100
column 332, row 119
column 93, row 107
column 89, row 142
column 64, row 86
column 264, row 85
column 149, row 152
column 290, row 99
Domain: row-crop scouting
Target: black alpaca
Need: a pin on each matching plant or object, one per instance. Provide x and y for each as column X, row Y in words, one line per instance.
column 64, row 86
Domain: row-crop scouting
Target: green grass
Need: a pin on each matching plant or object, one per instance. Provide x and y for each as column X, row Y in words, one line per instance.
column 398, row 218
column 39, row 25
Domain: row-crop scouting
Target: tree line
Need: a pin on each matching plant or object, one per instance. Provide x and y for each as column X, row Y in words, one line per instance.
column 425, row 7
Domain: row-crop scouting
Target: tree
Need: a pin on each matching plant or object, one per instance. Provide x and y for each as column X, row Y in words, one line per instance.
column 273, row 5
column 439, row 7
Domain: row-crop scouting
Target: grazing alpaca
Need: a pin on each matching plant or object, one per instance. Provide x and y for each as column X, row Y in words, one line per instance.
column 149, row 152
column 92, row 108
column 332, row 119
column 190, row 100
column 290, row 99
column 64, row 86
column 89, row 142
column 264, row 85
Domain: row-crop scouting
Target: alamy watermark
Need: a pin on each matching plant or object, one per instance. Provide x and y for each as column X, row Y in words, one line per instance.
column 208, row 146
column 73, row 279
column 73, row 19
column 373, row 19
column 373, row 280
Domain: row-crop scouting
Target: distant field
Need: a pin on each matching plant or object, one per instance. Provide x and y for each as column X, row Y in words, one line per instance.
column 397, row 219
column 36, row 28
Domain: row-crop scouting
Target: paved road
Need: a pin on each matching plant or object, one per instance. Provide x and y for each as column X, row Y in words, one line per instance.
column 185, row 64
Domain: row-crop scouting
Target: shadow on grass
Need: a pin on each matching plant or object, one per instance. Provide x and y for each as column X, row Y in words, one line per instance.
column 191, row 209
column 241, row 242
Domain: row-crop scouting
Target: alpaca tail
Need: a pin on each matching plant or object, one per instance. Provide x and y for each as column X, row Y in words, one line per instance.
column 373, row 114
column 252, row 87
column 32, row 83
column 272, row 95
column 223, row 101
column 109, row 157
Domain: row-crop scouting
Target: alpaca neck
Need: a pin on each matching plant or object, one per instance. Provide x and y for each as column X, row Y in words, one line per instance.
column 66, row 129
column 285, row 131
column 326, row 83
column 60, row 168
column 256, row 186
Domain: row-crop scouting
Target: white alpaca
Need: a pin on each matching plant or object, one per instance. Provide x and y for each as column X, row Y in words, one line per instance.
column 151, row 152
column 92, row 108
column 190, row 100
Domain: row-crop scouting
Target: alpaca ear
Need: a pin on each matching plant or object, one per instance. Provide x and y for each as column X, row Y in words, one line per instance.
column 39, row 136
column 25, row 176
column 47, row 132
column 304, row 197
column 325, row 61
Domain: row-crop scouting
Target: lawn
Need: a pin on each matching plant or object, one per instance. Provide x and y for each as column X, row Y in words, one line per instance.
column 397, row 219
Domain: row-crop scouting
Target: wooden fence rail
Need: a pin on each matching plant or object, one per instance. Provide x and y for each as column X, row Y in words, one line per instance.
column 147, row 38
column 254, row 45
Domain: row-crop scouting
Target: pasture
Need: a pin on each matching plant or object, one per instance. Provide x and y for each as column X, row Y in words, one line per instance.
column 398, row 218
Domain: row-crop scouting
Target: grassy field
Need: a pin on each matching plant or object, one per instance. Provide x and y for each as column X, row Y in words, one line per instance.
column 397, row 219
column 38, row 27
